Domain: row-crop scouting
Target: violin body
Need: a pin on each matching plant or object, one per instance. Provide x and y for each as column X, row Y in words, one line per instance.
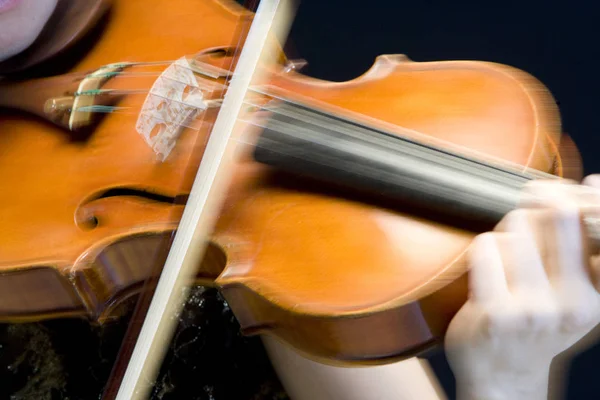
column 347, row 279
column 339, row 277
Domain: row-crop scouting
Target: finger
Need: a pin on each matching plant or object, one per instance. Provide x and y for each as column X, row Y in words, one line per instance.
column 566, row 258
column 569, row 248
column 542, row 193
column 522, row 262
column 545, row 193
column 585, row 197
column 487, row 280
column 538, row 193
column 591, row 211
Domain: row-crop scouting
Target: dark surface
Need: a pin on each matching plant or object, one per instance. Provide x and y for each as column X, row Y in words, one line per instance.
column 71, row 359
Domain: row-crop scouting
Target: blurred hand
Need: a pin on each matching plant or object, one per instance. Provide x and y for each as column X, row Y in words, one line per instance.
column 532, row 294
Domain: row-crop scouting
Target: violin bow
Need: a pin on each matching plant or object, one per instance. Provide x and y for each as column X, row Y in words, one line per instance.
column 203, row 205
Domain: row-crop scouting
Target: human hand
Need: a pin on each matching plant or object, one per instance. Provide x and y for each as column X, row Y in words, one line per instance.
column 532, row 295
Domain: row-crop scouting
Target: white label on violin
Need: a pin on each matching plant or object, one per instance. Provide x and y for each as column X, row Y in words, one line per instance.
column 174, row 100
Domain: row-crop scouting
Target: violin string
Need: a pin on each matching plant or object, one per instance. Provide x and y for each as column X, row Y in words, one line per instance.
column 207, row 84
column 216, row 102
column 434, row 157
column 300, row 116
column 222, row 73
column 360, row 131
column 500, row 180
column 303, row 117
column 210, row 88
column 207, row 67
column 94, row 92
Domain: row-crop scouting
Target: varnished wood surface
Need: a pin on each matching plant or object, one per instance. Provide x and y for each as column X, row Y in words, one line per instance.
column 337, row 277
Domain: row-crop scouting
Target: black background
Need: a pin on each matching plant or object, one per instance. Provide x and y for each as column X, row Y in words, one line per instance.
column 557, row 42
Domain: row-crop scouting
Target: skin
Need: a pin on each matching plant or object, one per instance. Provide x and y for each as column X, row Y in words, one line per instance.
column 305, row 379
column 21, row 22
column 532, row 297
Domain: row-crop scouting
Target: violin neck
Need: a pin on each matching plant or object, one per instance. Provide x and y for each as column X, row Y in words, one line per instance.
column 390, row 168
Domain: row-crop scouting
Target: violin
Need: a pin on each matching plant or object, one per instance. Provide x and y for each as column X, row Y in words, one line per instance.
column 351, row 205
